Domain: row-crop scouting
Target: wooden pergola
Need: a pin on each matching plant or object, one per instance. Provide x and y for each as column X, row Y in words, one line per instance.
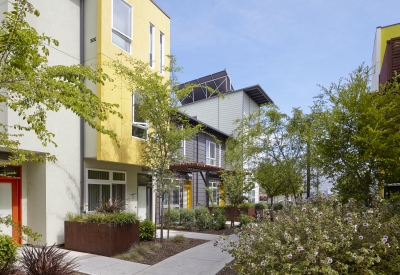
column 205, row 171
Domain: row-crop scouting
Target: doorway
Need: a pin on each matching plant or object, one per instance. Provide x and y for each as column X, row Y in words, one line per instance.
column 10, row 203
column 144, row 197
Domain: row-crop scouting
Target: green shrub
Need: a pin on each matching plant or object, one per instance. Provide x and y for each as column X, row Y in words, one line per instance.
column 203, row 218
column 74, row 217
column 327, row 237
column 278, row 206
column 8, row 251
column 146, row 230
column 244, row 220
column 187, row 218
column 173, row 215
column 259, row 206
column 247, row 205
column 218, row 218
column 111, row 218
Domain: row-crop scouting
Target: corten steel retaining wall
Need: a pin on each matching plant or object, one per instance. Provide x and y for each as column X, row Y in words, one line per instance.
column 391, row 60
column 101, row 239
column 250, row 211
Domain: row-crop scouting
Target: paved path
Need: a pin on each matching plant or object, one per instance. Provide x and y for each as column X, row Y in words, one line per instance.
column 203, row 259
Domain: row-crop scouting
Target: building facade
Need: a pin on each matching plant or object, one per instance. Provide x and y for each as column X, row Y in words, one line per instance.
column 385, row 55
column 89, row 166
column 221, row 113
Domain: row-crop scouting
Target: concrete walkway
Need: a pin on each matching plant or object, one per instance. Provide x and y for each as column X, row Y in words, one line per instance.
column 203, row 259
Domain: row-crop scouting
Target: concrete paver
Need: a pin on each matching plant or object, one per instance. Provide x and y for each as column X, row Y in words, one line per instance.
column 203, row 259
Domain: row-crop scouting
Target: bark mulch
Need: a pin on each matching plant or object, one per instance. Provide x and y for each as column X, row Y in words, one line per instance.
column 151, row 252
column 227, row 270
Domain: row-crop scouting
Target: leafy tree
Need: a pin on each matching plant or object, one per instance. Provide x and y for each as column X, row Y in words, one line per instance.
column 273, row 140
column 358, row 134
column 32, row 88
column 268, row 176
column 237, row 181
column 158, row 97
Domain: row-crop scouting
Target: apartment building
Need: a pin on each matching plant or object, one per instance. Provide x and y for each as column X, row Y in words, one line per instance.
column 200, row 170
column 385, row 55
column 89, row 165
column 219, row 112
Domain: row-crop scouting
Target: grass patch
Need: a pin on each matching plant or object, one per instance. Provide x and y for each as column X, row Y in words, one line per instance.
column 178, row 239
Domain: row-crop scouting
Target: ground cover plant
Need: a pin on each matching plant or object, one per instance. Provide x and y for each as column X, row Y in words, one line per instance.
column 111, row 218
column 153, row 252
column 321, row 237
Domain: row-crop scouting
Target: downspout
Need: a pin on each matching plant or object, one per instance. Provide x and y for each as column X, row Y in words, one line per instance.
column 81, row 122
column 197, row 174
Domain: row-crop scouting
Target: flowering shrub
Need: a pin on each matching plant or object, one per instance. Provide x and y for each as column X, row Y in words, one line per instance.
column 320, row 237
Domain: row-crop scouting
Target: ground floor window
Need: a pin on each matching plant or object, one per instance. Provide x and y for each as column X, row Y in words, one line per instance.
column 103, row 185
column 213, row 197
column 175, row 198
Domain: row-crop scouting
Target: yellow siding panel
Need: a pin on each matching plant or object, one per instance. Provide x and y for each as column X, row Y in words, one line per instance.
column 388, row 33
column 144, row 13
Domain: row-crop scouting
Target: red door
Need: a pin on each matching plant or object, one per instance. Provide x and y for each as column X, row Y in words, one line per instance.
column 12, row 187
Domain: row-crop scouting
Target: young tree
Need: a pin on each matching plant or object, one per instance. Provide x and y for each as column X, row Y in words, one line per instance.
column 237, row 181
column 274, row 139
column 157, row 99
column 358, row 134
column 31, row 88
column 269, row 177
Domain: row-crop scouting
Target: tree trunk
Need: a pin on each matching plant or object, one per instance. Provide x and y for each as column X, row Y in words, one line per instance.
column 162, row 218
column 272, row 201
column 155, row 218
column 169, row 217
column 233, row 216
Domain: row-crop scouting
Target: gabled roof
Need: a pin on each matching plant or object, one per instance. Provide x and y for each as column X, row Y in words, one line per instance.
column 221, row 82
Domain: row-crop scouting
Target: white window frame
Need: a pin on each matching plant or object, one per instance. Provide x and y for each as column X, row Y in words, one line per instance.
column 220, row 156
column 209, row 160
column 162, row 37
column 142, row 125
column 109, row 182
column 184, row 147
column 117, row 32
column 214, row 185
column 152, row 46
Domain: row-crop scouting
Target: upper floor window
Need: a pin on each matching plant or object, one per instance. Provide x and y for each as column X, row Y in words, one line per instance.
column 211, row 155
column 122, row 25
column 151, row 46
column 139, row 124
column 161, row 53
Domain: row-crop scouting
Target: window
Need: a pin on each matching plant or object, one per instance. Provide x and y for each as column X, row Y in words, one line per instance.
column 102, row 185
column 161, row 53
column 139, row 124
column 151, row 46
column 211, row 153
column 252, row 195
column 122, row 25
column 214, row 193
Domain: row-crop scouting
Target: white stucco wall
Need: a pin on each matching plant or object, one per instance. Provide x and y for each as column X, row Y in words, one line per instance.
column 51, row 190
column 376, row 61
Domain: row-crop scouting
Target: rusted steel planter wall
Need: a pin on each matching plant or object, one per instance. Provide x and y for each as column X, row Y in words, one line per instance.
column 101, row 239
column 242, row 210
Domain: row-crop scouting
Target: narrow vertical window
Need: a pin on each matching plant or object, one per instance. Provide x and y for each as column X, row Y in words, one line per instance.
column 210, row 153
column 139, row 124
column 151, row 45
column 122, row 24
column 161, row 52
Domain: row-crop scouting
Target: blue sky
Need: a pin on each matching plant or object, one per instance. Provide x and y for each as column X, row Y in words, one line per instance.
column 285, row 46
